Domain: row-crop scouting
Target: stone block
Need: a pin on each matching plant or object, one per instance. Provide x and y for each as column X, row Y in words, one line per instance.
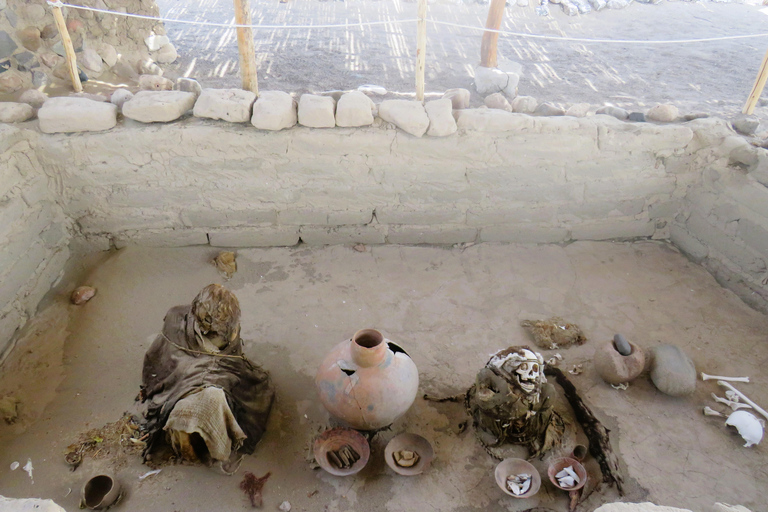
column 437, row 235
column 615, row 135
column 601, row 209
column 524, row 234
column 614, row 229
column 717, row 240
column 36, row 191
column 33, row 98
column 493, row 120
column 459, row 98
column 350, row 217
column 11, row 211
column 19, row 275
column 490, row 216
column 665, row 209
column 210, row 218
column 155, row 83
column 427, row 216
column 524, row 104
column 303, row 216
column 70, row 115
column 512, row 177
column 153, row 196
column 687, row 243
column 407, row 115
column 281, row 236
column 497, row 101
column 317, row 111
column 754, row 233
column 232, row 105
column 491, row 80
column 664, row 113
column 441, row 121
column 166, row 238
column 324, row 235
column 120, row 97
column 117, row 220
column 158, row 106
column 354, row 109
column 274, row 110
column 11, row 112
column 578, row 110
column 52, row 269
column 628, row 189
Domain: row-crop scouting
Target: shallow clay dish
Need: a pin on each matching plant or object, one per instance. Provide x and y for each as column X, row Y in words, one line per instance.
column 558, row 465
column 335, row 438
column 511, row 467
column 412, row 442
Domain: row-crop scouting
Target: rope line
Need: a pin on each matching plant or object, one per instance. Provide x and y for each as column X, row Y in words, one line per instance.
column 58, row 3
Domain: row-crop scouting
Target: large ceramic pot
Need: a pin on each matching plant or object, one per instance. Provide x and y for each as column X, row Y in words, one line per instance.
column 367, row 381
column 616, row 368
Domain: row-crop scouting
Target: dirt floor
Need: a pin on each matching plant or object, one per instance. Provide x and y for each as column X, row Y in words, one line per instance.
column 712, row 77
column 78, row 368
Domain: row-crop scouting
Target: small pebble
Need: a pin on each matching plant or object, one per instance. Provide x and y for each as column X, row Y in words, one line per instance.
column 82, row 294
column 637, row 117
column 285, row 506
column 622, row 345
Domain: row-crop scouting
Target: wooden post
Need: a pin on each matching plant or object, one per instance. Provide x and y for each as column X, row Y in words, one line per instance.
column 69, row 51
column 757, row 89
column 491, row 39
column 421, row 49
column 245, row 45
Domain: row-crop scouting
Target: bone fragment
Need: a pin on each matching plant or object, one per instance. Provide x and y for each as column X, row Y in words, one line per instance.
column 743, row 397
column 708, row 411
column 733, row 405
column 704, row 376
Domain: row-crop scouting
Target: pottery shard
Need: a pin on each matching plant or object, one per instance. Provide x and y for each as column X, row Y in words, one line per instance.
column 524, row 104
column 15, row 112
column 663, row 113
column 33, row 97
column 672, row 371
column 317, row 111
column 441, row 121
column 29, row 38
column 274, row 110
column 69, row 115
column 354, row 109
column 409, row 116
column 233, row 105
column 459, row 98
column 82, row 294
column 497, row 101
column 158, row 106
column 154, row 83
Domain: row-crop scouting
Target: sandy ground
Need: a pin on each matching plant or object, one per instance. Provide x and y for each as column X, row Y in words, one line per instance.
column 713, row 77
column 79, row 368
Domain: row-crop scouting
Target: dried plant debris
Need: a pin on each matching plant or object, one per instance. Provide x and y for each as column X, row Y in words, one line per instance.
column 519, row 484
column 406, row 458
column 253, row 487
column 111, row 439
column 226, row 263
column 343, row 458
column 554, row 333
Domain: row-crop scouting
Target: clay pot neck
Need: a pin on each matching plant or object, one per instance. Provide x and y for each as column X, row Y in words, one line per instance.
column 368, row 348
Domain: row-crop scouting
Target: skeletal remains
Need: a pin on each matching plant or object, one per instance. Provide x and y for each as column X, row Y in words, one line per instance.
column 704, row 376
column 749, row 427
column 567, row 477
column 343, row 458
column 406, row 458
column 519, row 484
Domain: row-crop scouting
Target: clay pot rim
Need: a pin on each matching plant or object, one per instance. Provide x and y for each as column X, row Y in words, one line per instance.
column 414, row 442
column 377, row 335
column 558, row 464
column 109, row 498
column 516, row 466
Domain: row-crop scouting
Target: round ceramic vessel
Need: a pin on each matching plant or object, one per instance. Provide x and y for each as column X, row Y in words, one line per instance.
column 512, row 467
column 100, row 492
column 412, row 442
column 558, row 465
column 615, row 368
column 335, row 438
column 367, row 381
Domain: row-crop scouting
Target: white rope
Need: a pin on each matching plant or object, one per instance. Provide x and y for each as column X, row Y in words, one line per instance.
column 585, row 40
column 229, row 25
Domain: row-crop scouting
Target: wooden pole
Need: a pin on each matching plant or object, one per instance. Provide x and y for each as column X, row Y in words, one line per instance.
column 245, row 46
column 69, row 50
column 491, row 39
column 421, row 49
column 757, row 89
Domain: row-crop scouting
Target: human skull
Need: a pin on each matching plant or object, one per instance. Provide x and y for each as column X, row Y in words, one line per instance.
column 528, row 372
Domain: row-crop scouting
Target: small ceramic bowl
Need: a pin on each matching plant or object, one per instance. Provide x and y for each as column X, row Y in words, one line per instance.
column 335, row 438
column 100, row 492
column 558, row 465
column 414, row 443
column 512, row 467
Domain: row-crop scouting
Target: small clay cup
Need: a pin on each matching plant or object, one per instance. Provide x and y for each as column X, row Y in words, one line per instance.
column 558, row 465
column 100, row 492
column 510, row 467
column 334, row 439
column 615, row 368
column 415, row 443
column 579, row 452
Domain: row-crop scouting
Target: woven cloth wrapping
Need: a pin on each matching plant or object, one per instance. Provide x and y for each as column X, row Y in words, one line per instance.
column 207, row 413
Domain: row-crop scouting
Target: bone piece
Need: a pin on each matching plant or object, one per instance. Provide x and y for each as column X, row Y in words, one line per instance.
column 566, row 481
column 572, row 474
column 562, row 474
column 576, row 370
column 743, row 397
column 708, row 411
column 730, row 395
column 526, row 486
column 704, row 376
column 733, row 405
column 748, row 426
column 620, row 387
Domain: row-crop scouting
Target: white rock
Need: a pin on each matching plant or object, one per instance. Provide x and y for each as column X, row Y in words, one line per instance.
column 233, row 105
column 617, row 112
column 491, row 80
column 285, row 506
column 107, row 53
column 407, row 115
column 69, row 115
column 91, row 61
column 15, row 112
column 317, row 111
column 637, row 507
column 150, row 67
column 498, row 101
column 188, row 85
column 120, row 96
column 33, row 97
column 441, row 121
column 167, row 54
column 578, row 110
column 158, row 106
column 154, row 83
column 664, row 113
column 492, row 120
column 274, row 110
column 524, row 104
column 154, row 42
column 724, row 507
column 28, row 505
column 354, row 109
column 372, row 89
column 459, row 98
